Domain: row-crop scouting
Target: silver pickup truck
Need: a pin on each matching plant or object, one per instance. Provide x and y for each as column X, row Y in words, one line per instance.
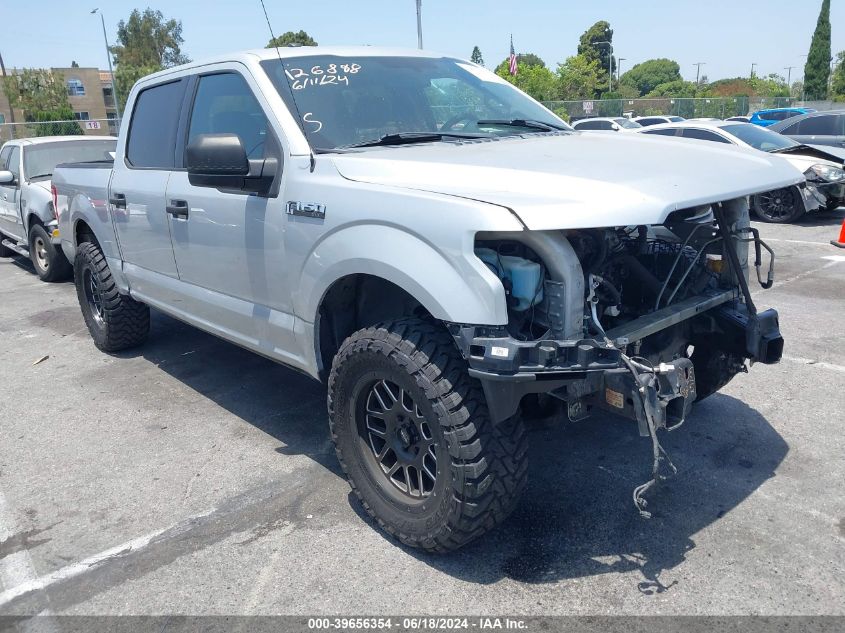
column 440, row 249
column 28, row 224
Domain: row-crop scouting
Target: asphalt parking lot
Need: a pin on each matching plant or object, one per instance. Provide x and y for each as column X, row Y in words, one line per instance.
column 190, row 476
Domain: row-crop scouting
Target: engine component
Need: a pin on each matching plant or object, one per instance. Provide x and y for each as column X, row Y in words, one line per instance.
column 524, row 277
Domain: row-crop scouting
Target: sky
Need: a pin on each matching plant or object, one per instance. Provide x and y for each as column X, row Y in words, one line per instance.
column 727, row 35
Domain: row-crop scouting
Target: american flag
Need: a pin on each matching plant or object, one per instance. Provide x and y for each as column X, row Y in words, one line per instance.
column 512, row 66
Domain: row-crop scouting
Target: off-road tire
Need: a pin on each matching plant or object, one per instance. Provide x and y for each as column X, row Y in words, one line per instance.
column 123, row 322
column 48, row 260
column 714, row 368
column 481, row 467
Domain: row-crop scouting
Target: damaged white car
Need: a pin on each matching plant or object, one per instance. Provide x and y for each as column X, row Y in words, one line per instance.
column 440, row 249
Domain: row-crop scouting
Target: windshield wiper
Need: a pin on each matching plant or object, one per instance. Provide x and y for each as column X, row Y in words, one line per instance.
column 530, row 124
column 406, row 138
column 41, row 176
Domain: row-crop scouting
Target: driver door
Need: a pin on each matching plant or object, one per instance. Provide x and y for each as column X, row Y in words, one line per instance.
column 10, row 193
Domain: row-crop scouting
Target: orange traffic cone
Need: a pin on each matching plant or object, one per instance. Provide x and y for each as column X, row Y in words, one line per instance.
column 841, row 242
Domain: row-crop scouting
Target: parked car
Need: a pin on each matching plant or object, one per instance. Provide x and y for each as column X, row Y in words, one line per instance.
column 28, row 224
column 765, row 118
column 825, row 186
column 315, row 206
column 646, row 121
column 816, row 128
column 606, row 124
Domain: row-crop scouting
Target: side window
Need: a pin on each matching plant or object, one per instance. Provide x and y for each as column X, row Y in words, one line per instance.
column 225, row 104
column 662, row 132
column 152, row 132
column 588, row 125
column 4, row 156
column 15, row 162
column 704, row 135
column 605, row 125
column 821, row 126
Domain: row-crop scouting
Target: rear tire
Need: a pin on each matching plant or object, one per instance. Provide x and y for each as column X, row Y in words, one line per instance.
column 780, row 206
column 116, row 321
column 414, row 437
column 49, row 261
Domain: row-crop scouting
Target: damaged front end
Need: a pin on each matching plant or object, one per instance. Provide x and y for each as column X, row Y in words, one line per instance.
column 639, row 321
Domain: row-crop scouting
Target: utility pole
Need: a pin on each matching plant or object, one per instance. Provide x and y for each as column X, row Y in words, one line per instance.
column 108, row 57
column 698, row 66
column 753, row 66
column 619, row 68
column 419, row 25
column 788, row 69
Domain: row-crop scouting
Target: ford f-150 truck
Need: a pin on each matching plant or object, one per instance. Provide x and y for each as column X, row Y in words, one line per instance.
column 28, row 224
column 440, row 249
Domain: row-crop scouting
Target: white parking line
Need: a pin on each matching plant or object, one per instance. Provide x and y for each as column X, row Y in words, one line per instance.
column 776, row 239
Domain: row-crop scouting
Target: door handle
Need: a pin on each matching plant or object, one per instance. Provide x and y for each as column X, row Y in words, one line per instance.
column 178, row 209
column 118, row 200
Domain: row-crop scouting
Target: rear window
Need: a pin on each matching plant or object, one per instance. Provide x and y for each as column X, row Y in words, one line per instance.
column 152, row 132
column 830, row 125
column 40, row 160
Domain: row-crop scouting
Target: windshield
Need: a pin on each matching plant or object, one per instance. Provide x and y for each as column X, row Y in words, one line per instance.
column 346, row 101
column 759, row 137
column 41, row 159
column 676, row 119
column 628, row 124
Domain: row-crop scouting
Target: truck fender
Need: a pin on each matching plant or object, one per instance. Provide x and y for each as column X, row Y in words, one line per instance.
column 95, row 215
column 458, row 288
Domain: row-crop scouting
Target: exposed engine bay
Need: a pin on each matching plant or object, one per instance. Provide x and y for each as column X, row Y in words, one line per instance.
column 638, row 321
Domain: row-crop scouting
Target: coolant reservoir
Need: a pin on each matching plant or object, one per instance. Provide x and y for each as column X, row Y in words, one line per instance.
column 523, row 274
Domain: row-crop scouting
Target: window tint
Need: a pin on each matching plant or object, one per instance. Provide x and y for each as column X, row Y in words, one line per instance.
column 830, row 125
column 152, row 133
column 653, row 121
column 225, row 104
column 662, row 132
column 590, row 125
column 704, row 135
column 15, row 162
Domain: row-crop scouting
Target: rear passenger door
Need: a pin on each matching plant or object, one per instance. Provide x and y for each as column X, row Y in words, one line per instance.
column 138, row 190
column 823, row 129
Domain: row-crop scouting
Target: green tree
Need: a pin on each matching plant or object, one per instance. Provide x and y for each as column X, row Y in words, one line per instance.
column 42, row 95
column 476, row 57
column 817, row 69
column 538, row 81
column 125, row 77
column 580, row 78
column 646, row 76
column 300, row 38
column 589, row 46
column 148, row 39
column 678, row 88
column 837, row 86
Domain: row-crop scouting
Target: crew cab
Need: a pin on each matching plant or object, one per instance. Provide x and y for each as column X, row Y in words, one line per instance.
column 441, row 250
column 28, row 225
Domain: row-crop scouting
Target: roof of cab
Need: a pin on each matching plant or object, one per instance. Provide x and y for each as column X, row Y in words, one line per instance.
column 41, row 140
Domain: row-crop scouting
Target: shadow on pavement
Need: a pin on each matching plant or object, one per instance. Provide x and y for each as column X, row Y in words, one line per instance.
column 824, row 218
column 577, row 518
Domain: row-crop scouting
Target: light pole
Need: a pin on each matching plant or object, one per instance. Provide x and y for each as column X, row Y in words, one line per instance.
column 753, row 66
column 419, row 25
column 619, row 68
column 108, row 57
column 11, row 105
column 609, row 65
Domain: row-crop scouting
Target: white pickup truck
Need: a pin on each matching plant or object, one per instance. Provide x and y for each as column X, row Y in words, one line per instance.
column 28, row 224
column 440, row 249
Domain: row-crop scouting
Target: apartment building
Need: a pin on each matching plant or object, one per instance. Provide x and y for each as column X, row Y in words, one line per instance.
column 91, row 96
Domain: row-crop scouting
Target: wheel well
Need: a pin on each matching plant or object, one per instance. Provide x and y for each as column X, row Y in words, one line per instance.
column 355, row 302
column 83, row 233
column 32, row 219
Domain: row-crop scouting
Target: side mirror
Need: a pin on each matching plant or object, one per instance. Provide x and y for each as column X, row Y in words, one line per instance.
column 615, row 127
column 6, row 177
column 220, row 161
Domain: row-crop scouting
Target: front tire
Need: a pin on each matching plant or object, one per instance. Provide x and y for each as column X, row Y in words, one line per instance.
column 49, row 261
column 116, row 321
column 780, row 206
column 414, row 437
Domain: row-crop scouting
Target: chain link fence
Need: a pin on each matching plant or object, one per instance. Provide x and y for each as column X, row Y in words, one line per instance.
column 715, row 107
column 29, row 129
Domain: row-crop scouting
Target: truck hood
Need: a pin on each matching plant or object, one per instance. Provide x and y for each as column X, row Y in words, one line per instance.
column 576, row 180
